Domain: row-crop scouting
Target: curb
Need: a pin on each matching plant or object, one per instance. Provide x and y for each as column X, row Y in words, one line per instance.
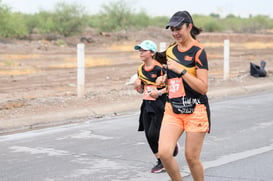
column 242, row 90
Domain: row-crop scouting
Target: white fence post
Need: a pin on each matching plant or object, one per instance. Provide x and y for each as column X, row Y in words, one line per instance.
column 162, row 46
column 80, row 70
column 226, row 58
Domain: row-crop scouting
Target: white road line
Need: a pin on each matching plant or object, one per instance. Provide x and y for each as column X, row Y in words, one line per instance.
column 232, row 158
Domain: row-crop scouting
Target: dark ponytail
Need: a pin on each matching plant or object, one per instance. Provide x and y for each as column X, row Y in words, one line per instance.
column 195, row 30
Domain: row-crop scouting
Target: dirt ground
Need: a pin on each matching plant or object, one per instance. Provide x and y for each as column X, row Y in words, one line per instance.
column 38, row 77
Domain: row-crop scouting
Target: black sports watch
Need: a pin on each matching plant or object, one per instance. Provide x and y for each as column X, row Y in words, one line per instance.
column 184, row 71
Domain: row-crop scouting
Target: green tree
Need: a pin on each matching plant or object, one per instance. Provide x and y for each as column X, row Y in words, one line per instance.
column 12, row 24
column 43, row 22
column 258, row 22
column 69, row 19
column 115, row 16
column 208, row 23
column 159, row 21
column 140, row 20
column 233, row 23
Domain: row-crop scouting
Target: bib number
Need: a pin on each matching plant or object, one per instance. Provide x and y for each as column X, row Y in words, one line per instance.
column 175, row 88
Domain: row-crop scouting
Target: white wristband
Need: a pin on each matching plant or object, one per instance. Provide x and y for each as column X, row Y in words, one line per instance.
column 159, row 93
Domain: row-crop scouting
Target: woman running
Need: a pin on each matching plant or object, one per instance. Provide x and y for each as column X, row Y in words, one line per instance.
column 187, row 108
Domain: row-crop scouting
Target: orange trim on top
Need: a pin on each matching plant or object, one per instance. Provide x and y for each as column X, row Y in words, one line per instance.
column 154, row 64
column 197, row 59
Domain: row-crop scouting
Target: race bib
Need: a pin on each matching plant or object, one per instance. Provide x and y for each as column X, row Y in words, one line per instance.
column 175, row 88
column 147, row 90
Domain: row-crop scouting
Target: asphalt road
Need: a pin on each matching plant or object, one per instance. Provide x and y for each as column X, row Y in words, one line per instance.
column 240, row 148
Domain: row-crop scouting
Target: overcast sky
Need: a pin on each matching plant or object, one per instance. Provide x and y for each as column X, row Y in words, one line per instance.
column 156, row 8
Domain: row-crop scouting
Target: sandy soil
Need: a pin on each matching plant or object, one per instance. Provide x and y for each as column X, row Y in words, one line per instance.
column 39, row 77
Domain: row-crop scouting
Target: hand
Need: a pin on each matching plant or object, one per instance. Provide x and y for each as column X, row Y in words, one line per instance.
column 174, row 66
column 138, row 85
column 161, row 80
column 154, row 94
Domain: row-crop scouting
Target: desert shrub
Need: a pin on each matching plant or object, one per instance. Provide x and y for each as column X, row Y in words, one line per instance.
column 43, row 22
column 109, row 22
column 118, row 15
column 256, row 23
column 159, row 21
column 233, row 23
column 114, row 16
column 213, row 25
column 12, row 24
column 31, row 22
column 69, row 19
column 208, row 23
column 65, row 20
column 140, row 20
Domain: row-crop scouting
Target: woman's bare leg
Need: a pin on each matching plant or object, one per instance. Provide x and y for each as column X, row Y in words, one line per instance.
column 193, row 147
column 169, row 135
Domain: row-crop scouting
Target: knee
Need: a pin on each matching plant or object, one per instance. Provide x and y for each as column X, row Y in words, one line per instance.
column 192, row 159
column 164, row 154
